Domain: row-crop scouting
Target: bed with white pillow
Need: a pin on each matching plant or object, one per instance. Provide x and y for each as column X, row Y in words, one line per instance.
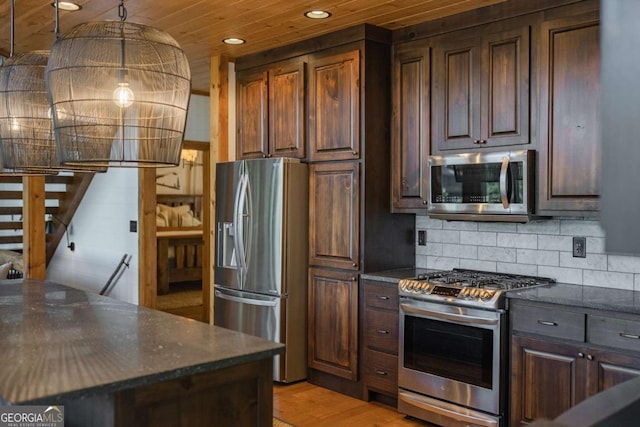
column 179, row 238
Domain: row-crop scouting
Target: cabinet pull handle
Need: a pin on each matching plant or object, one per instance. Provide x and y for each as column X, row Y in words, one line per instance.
column 630, row 336
column 379, row 372
column 547, row 323
column 382, row 331
column 581, row 354
column 590, row 357
column 382, row 297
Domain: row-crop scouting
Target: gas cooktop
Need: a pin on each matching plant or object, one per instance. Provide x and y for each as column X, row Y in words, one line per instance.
column 467, row 287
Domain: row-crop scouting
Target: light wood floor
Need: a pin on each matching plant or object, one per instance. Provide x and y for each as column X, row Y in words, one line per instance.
column 306, row 405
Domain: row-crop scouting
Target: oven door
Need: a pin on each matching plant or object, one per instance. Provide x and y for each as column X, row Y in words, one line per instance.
column 453, row 354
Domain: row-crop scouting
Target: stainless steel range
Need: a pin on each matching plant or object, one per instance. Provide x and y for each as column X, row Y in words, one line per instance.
column 453, row 346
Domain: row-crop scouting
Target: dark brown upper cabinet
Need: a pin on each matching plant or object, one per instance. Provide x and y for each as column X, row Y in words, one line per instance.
column 271, row 111
column 569, row 81
column 334, row 106
column 334, row 215
column 411, row 126
column 481, row 87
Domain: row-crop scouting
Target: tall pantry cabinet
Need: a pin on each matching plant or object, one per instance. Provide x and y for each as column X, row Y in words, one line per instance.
column 352, row 229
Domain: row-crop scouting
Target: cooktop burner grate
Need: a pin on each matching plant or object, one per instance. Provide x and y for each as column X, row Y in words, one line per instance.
column 467, row 287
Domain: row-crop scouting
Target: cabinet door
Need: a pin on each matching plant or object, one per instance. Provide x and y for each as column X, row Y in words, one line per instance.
column 547, row 378
column 334, row 215
column 333, row 322
column 608, row 368
column 287, row 109
column 456, row 91
column 334, row 107
column 569, row 81
column 411, row 126
column 252, row 115
column 505, row 88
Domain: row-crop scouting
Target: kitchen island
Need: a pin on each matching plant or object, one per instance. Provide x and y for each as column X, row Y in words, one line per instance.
column 111, row 363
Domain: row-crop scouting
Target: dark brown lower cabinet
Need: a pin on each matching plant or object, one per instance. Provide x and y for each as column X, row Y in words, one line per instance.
column 333, row 322
column 380, row 340
column 549, row 377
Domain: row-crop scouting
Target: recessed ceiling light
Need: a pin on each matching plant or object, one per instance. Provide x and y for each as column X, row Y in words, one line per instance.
column 317, row 14
column 233, row 40
column 67, row 5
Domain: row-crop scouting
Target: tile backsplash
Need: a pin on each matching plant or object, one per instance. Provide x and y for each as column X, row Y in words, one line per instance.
column 538, row 248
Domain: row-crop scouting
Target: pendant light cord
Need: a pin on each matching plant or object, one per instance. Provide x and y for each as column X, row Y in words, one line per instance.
column 12, row 25
column 56, row 30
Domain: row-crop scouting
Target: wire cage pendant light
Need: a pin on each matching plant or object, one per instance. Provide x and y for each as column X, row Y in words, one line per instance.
column 23, row 102
column 27, row 142
column 26, row 132
column 119, row 94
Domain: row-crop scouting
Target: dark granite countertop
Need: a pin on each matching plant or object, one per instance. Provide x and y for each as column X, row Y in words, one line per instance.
column 58, row 343
column 619, row 300
column 394, row 276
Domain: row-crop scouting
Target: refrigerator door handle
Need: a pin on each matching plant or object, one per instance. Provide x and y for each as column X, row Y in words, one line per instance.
column 239, row 225
column 249, row 301
column 247, row 233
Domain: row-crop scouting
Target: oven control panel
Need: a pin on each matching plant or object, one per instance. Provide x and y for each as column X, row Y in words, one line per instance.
column 466, row 295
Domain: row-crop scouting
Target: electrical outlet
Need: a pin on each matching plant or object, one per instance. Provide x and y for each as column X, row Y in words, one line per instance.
column 422, row 237
column 579, row 247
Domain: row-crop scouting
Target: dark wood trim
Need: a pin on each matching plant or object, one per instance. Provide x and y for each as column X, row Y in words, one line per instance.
column 305, row 47
column 199, row 92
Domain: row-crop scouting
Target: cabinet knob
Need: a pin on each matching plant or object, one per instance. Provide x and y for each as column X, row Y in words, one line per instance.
column 590, row 357
column 353, row 279
column 476, row 141
column 581, row 354
column 355, row 153
column 264, row 155
column 483, row 141
column 354, row 264
column 424, row 202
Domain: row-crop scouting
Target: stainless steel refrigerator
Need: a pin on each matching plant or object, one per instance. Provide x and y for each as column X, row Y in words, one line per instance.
column 261, row 255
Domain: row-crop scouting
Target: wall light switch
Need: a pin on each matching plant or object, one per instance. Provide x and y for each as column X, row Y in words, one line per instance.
column 133, row 226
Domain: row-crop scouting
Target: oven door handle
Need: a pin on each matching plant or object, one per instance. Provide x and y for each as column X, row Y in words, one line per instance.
column 458, row 318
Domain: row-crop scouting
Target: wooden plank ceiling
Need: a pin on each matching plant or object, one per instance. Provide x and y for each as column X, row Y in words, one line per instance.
column 200, row 25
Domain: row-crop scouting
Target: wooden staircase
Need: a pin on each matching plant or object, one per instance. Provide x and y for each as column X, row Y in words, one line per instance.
column 64, row 192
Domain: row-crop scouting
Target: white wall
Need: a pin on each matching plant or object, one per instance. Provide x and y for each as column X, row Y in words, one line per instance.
column 100, row 231
column 539, row 248
column 198, row 118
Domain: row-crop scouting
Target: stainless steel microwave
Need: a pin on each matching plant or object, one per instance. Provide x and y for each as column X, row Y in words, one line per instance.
column 493, row 186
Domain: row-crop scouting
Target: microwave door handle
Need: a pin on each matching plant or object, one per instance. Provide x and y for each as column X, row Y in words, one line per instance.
column 504, row 197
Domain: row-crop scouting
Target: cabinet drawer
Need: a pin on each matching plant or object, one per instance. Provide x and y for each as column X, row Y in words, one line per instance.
column 614, row 332
column 382, row 296
column 381, row 371
column 381, row 330
column 549, row 322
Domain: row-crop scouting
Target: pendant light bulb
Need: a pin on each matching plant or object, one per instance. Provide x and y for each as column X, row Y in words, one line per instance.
column 123, row 95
